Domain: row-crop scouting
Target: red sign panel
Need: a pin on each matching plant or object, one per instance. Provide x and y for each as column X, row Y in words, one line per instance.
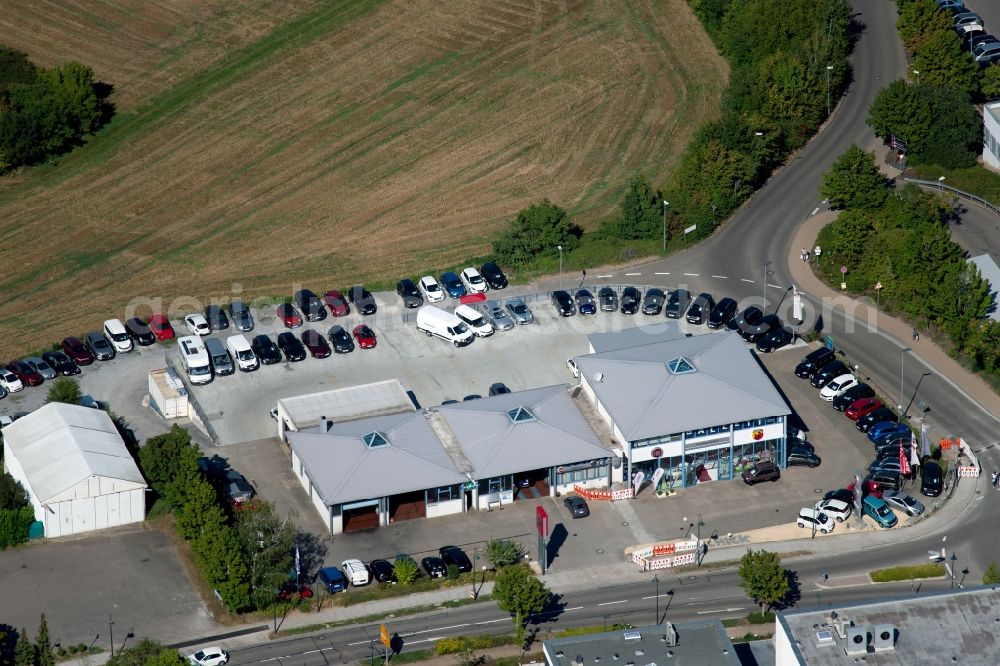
column 656, row 453
column 541, row 521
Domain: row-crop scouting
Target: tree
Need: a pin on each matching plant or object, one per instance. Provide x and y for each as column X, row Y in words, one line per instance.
column 918, row 20
column 43, row 645
column 169, row 458
column 146, row 653
column 517, row 591
column 992, row 574
column 989, row 83
column 763, row 578
column 65, row 389
column 854, row 181
column 503, row 552
column 12, row 493
column 406, row 570
column 14, row 526
column 538, row 231
column 24, row 651
column 640, row 211
column 268, row 542
column 942, row 61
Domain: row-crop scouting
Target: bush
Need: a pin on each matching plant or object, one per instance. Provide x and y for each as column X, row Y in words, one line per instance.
column 760, row 618
column 407, row 571
column 503, row 552
column 452, row 572
column 896, row 574
column 463, row 643
column 73, row 649
column 538, row 231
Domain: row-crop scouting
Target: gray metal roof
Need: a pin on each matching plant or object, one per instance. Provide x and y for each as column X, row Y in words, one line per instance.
column 343, row 468
column 646, row 400
column 663, row 330
column 353, row 402
column 947, row 627
column 495, row 444
column 990, row 272
column 698, row 644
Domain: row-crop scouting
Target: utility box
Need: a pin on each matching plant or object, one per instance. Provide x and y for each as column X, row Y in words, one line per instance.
column 167, row 395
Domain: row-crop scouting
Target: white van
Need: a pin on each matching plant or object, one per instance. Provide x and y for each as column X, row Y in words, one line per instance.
column 479, row 324
column 194, row 356
column 356, row 572
column 241, row 350
column 445, row 325
column 115, row 330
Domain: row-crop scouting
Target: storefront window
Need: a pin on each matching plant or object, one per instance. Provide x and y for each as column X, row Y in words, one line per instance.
column 445, row 494
column 582, row 474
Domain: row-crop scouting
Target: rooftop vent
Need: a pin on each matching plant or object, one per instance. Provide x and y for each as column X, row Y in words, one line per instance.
column 884, row 638
column 375, row 439
column 520, row 415
column 857, row 641
column 632, row 635
column 598, row 377
column 670, row 633
column 825, row 637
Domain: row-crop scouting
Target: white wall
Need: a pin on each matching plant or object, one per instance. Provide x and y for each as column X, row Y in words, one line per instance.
column 84, row 514
column 783, row 653
column 991, row 135
column 446, row 508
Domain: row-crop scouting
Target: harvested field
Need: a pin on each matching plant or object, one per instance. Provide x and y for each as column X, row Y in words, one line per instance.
column 334, row 142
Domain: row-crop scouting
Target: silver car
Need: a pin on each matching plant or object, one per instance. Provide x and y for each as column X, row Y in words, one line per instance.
column 519, row 311
column 901, row 502
column 501, row 320
column 43, row 368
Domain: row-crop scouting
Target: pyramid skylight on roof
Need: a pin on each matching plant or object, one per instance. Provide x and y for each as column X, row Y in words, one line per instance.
column 375, row 439
column 520, row 415
column 680, row 366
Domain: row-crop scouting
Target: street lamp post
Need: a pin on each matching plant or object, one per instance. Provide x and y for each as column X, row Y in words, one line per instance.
column 953, row 558
column 829, row 68
column 130, row 634
column 764, row 306
column 902, row 364
column 111, row 634
column 475, row 559
column 656, row 580
column 666, row 205
column 701, row 524
column 916, row 72
column 941, row 183
column 559, row 247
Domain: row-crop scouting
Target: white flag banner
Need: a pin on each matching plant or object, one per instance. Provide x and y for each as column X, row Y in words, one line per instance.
column 925, row 441
column 637, row 480
column 914, row 459
column 796, row 304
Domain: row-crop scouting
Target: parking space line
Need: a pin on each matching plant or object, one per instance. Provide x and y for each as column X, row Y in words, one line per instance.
column 612, row 603
column 692, row 274
column 633, row 274
column 721, row 277
column 746, row 280
column 606, row 276
column 775, row 286
column 661, row 273
column 815, row 210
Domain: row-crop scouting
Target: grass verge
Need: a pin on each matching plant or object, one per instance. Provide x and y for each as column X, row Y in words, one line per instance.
column 975, row 180
column 896, row 574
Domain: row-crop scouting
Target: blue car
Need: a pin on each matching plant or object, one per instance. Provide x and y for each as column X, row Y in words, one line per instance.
column 585, row 303
column 453, row 285
column 887, row 435
column 333, row 579
column 883, row 428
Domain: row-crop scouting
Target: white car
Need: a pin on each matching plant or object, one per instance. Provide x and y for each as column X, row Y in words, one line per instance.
column 197, row 324
column 838, row 385
column 473, row 281
column 836, row 509
column 114, row 330
column 210, row 656
column 356, row 572
column 10, row 381
column 432, row 291
column 571, row 364
column 811, row 518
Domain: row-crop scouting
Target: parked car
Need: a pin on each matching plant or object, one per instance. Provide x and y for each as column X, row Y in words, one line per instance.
column 890, row 465
column 585, row 303
column 577, row 506
column 885, row 479
column 890, row 450
column 722, row 313
column 99, row 346
column 315, row 343
column 160, row 325
column 77, row 351
column 630, row 301
column 652, row 302
column 452, row 284
column 861, row 407
column 140, row 332
column 365, row 336
column 455, row 556
column 501, row 320
column 431, row 290
column 966, row 18
column 813, row 361
column 607, row 298
column 873, row 417
column 290, row 589
column 876, row 508
column 931, row 479
column 332, row 579
column 266, row 350
column 363, row 301
column 828, row 373
column 409, row 294
column 677, row 303
column 844, row 495
column 902, row 502
column 493, row 275
column 383, row 572
column 292, row 348
column 563, row 304
column 11, row 382
column 473, row 281
column 839, row 510
column 761, row 471
column 498, row 388
column 434, row 567
column 210, row 656
column 356, row 572
column 216, row 317
column 26, row 373
column 813, row 519
column 888, row 431
column 238, row 490
column 847, row 398
column 337, row 303
column 242, row 319
column 749, row 317
column 519, row 311
column 767, row 324
column 774, row 340
column 700, row 309
column 114, row 331
column 41, row 367
column 289, row 315
column 800, row 456
column 309, row 305
column 341, row 340
column 197, row 324
column 61, row 363
column 838, row 385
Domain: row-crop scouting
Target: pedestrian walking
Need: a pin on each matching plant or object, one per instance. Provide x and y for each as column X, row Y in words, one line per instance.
column 995, row 478
column 916, row 335
column 803, row 254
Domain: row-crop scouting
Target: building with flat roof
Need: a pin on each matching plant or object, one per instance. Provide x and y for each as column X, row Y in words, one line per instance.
column 353, row 402
column 699, row 408
column 681, row 644
column 637, row 336
column 949, row 627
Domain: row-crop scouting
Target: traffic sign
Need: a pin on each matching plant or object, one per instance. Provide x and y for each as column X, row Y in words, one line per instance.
column 878, row 285
column 383, row 636
column 843, row 270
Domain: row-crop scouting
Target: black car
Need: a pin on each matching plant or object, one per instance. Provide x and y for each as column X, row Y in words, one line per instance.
column 754, row 332
column 217, row 319
column 61, row 363
column 309, row 304
column 630, row 300
column 828, row 373
column 585, row 303
column 434, row 566
column 472, row 396
column 362, row 299
column 844, row 400
column 237, row 488
column 266, row 350
column 890, row 451
column 577, row 506
column 701, row 308
column 563, row 303
column 800, row 456
column 871, row 418
column 498, row 388
column 293, row 348
column 242, row 319
column 931, row 482
column 139, row 332
column 408, row 291
column 885, row 478
column 608, row 299
column 455, row 556
column 383, row 572
column 749, row 317
column 843, row 494
column 652, row 302
column 776, row 339
column 341, row 340
column 493, row 275
column 677, row 303
column 722, row 313
column 813, row 361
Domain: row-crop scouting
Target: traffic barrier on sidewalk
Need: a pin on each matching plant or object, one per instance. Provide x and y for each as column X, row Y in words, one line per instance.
column 607, row 495
column 661, row 551
column 945, row 443
column 968, row 471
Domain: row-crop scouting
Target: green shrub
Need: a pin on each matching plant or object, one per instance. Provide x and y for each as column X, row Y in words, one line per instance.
column 407, row 571
column 72, row 649
column 465, row 643
column 760, row 618
column 452, row 572
column 503, row 552
column 82, row 648
column 895, row 574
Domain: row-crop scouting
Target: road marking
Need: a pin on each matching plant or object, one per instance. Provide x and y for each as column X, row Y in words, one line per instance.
column 654, row 596
column 427, row 631
column 721, row 277
column 774, row 286
column 721, row 610
column 661, row 273
column 612, row 603
column 746, row 280
column 502, row 619
column 815, row 210
column 573, row 608
column 358, row 643
column 692, row 274
column 633, row 274
column 608, row 275
column 825, row 201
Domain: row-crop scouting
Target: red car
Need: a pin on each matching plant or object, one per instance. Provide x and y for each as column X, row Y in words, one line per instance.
column 77, row 351
column 289, row 316
column 291, row 588
column 337, row 303
column 27, row 374
column 861, row 407
column 316, row 343
column 161, row 328
column 365, row 336
column 869, row 488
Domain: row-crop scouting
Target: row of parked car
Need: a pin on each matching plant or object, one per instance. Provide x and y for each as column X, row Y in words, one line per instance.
column 981, row 45
column 356, row 573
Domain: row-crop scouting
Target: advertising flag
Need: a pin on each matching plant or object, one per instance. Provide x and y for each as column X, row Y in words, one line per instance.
column 796, row 304
column 904, row 464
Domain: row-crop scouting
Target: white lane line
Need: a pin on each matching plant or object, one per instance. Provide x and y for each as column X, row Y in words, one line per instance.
column 721, row 277
column 721, row 610
column 692, row 274
column 815, row 210
column 427, row 631
column 654, row 596
column 502, row 619
column 608, row 275
column 573, row 608
column 633, row 274
column 612, row 603
column 774, row 286
column 358, row 643
column 661, row 273
column 746, row 280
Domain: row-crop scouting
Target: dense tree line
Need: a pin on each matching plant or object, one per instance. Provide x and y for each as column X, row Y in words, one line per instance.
column 16, row 514
column 45, row 112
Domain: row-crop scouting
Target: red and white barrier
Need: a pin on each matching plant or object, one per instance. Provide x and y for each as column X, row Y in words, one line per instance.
column 606, row 495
